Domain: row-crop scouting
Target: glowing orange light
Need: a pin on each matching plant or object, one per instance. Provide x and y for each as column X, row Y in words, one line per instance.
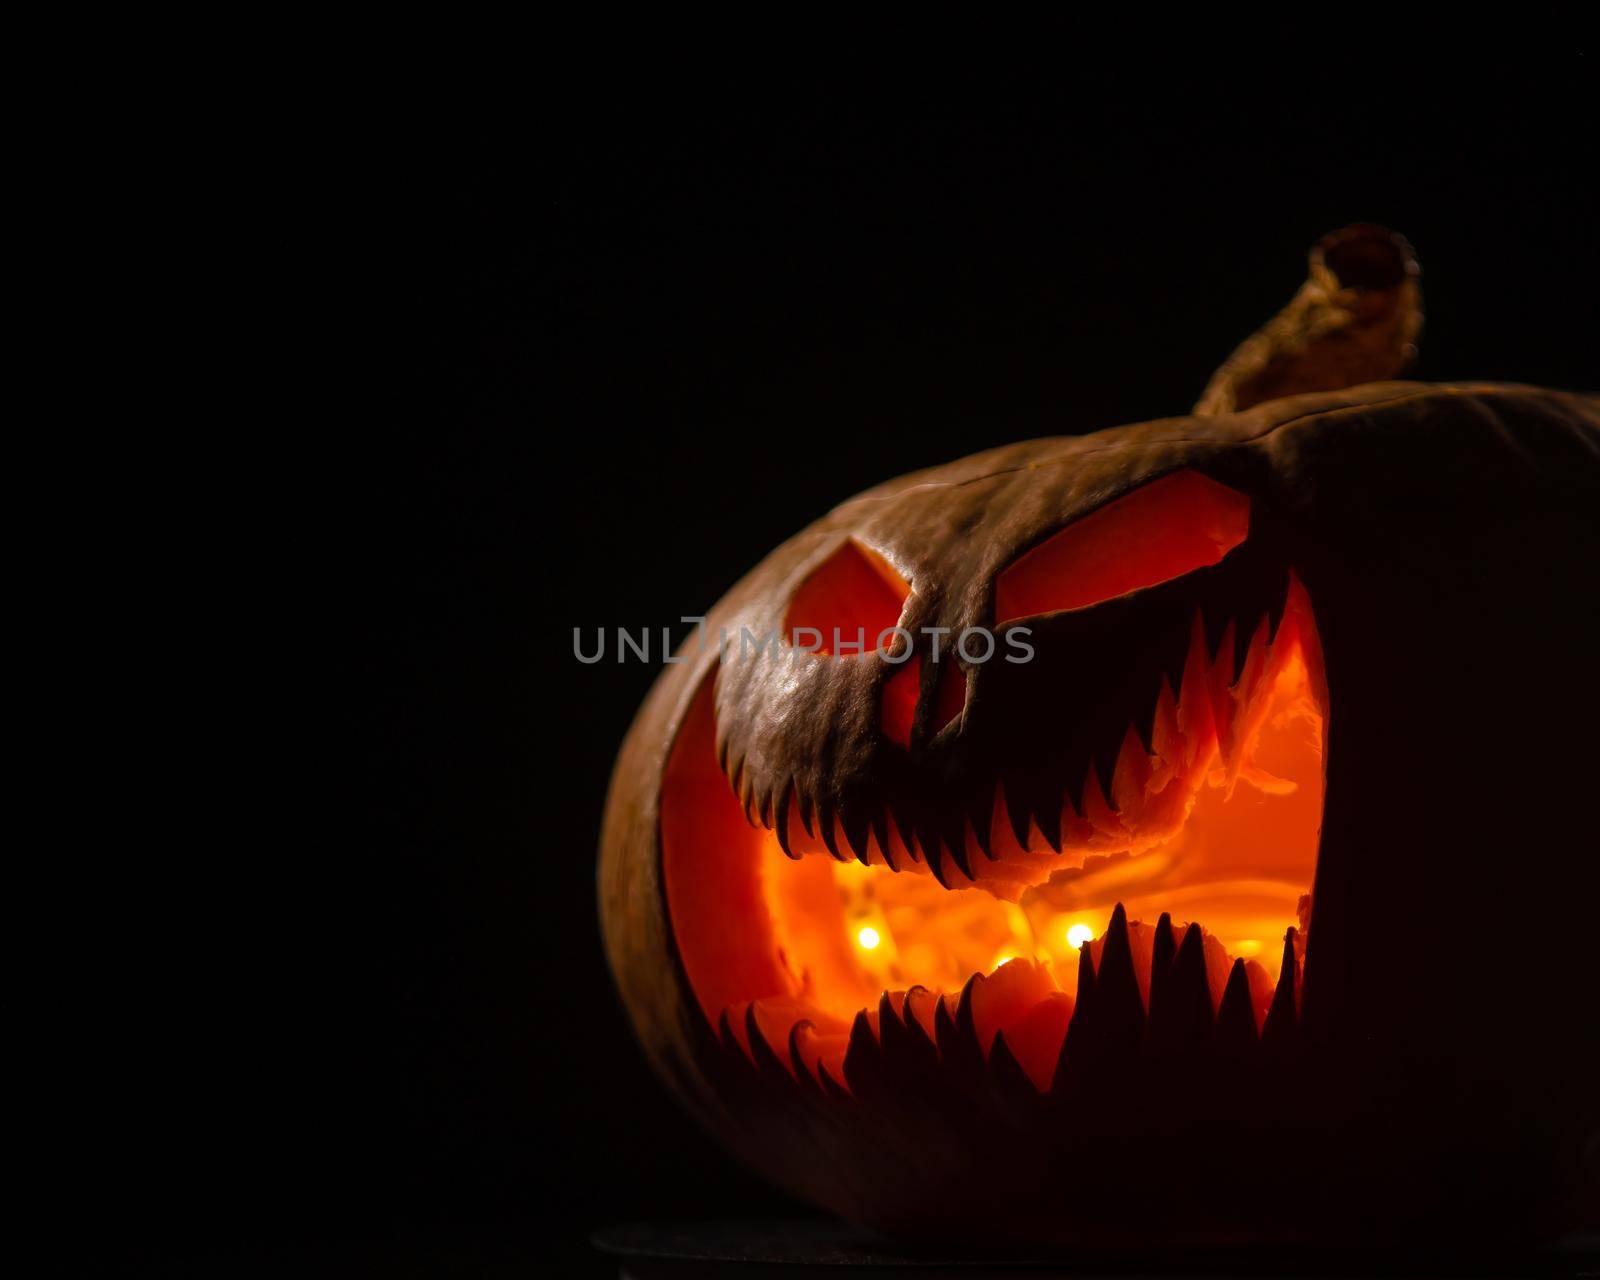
column 1216, row 825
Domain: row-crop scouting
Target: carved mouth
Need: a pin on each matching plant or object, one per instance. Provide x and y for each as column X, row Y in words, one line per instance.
column 1172, row 907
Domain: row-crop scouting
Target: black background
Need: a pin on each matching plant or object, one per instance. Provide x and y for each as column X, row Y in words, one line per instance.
column 630, row 335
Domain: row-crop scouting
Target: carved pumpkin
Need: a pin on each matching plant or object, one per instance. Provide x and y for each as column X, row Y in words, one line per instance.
column 1254, row 902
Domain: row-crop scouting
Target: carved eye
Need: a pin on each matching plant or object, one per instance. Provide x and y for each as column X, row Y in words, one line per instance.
column 1162, row 531
column 850, row 600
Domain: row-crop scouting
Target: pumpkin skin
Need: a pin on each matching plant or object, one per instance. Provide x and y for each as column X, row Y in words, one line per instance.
column 1428, row 1057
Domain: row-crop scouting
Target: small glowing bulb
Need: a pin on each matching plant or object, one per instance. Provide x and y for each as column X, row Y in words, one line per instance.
column 1078, row 935
column 868, row 937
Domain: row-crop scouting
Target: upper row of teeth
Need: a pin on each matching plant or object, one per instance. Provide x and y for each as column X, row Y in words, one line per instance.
column 772, row 811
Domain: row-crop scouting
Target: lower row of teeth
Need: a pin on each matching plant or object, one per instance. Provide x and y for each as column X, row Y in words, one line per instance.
column 1141, row 990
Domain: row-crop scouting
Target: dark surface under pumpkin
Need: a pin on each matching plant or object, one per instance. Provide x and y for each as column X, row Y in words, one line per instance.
column 1424, row 1053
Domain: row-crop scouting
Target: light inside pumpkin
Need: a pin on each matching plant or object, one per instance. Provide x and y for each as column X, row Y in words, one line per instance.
column 1215, row 821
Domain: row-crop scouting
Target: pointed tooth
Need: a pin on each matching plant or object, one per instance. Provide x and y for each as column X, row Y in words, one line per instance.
column 1078, row 1047
column 1120, row 1008
column 880, row 833
column 1179, row 652
column 1282, row 1017
column 1017, row 813
column 934, row 858
column 1116, row 938
column 1132, row 773
column 1263, row 988
column 1048, row 817
column 908, row 832
column 1219, row 966
column 1060, row 1078
column 1291, row 966
column 828, row 829
column 887, row 849
column 854, row 824
column 1277, row 601
column 944, row 1028
column 1071, row 819
column 780, row 821
column 1163, row 950
column 1180, row 1009
column 955, row 843
column 956, row 1037
column 1006, row 1071
column 1196, row 719
column 761, row 1052
column 1191, row 975
column 891, row 1030
column 1033, row 803
column 1251, row 654
column 971, row 1057
column 1095, row 810
column 1250, row 669
column 1236, row 1019
column 1103, row 768
column 1166, row 741
column 911, row 1055
column 1143, row 722
column 862, row 1057
column 1086, row 976
column 1223, row 706
column 965, row 1021
column 980, row 813
column 797, row 1061
column 998, row 1048
column 1225, row 655
column 803, row 803
column 912, row 1019
column 1088, row 785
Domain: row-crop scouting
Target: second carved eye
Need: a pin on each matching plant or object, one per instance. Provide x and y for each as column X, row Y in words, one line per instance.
column 1167, row 528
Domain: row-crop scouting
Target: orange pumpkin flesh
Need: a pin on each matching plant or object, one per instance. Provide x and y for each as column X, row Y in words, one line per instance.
column 1214, row 821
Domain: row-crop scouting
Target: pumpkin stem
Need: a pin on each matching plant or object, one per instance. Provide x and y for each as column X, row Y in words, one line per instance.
column 1356, row 319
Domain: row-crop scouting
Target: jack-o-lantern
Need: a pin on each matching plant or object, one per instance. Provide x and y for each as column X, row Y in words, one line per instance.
column 1174, row 832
